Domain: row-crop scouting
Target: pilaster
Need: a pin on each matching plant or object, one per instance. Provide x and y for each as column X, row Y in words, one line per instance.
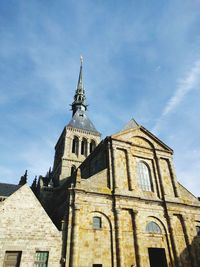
column 74, row 237
column 129, row 168
column 118, row 230
column 185, row 222
column 136, row 234
column 173, row 241
column 173, row 178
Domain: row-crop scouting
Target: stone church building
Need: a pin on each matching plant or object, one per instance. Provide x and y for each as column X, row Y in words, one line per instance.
column 106, row 203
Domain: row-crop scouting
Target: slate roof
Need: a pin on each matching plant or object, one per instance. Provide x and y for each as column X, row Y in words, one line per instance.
column 81, row 121
column 130, row 125
column 8, row 189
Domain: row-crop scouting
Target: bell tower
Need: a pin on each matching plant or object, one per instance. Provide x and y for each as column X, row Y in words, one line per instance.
column 78, row 139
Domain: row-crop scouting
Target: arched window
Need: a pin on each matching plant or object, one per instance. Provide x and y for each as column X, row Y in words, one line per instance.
column 73, row 168
column 92, row 145
column 144, row 176
column 84, row 147
column 153, row 227
column 75, row 145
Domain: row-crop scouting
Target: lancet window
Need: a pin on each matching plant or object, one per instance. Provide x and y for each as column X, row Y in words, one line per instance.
column 84, row 147
column 75, row 144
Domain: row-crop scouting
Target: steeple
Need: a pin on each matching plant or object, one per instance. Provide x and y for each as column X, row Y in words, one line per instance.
column 79, row 97
column 78, row 139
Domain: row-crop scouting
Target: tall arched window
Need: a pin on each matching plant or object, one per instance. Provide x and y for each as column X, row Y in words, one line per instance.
column 92, row 145
column 75, row 143
column 84, row 147
column 153, row 227
column 144, row 176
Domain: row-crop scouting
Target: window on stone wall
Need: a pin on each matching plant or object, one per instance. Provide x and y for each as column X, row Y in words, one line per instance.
column 12, row 258
column 153, row 227
column 144, row 176
column 75, row 143
column 97, row 265
column 92, row 146
column 41, row 259
column 198, row 230
column 84, row 147
column 97, row 222
column 73, row 168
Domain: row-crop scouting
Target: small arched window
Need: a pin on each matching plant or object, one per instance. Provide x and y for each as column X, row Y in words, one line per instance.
column 73, row 168
column 75, row 143
column 92, row 145
column 144, row 176
column 153, row 227
column 84, row 147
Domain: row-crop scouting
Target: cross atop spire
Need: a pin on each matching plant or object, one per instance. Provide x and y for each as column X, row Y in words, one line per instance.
column 79, row 97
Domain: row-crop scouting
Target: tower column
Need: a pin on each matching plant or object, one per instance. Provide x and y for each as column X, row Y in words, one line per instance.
column 79, row 146
column 88, row 147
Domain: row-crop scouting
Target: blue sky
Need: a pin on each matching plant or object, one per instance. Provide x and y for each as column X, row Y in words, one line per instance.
column 141, row 60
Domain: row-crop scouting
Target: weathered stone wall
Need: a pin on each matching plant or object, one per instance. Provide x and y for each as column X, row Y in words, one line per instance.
column 25, row 226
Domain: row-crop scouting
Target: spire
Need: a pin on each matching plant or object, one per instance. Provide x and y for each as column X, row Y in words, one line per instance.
column 79, row 97
column 23, row 179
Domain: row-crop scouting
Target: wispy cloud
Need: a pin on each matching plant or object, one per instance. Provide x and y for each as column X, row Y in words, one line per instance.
column 141, row 48
column 185, row 85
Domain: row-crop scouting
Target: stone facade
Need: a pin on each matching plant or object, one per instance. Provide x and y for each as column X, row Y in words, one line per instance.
column 108, row 187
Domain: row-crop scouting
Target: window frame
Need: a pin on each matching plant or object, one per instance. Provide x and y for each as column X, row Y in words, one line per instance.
column 75, row 145
column 18, row 257
column 153, row 228
column 40, row 261
column 97, row 222
column 84, row 147
column 144, row 176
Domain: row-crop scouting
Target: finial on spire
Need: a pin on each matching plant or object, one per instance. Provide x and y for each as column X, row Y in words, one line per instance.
column 81, row 59
column 79, row 97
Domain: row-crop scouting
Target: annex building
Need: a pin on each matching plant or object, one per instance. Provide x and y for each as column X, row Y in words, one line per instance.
column 114, row 202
